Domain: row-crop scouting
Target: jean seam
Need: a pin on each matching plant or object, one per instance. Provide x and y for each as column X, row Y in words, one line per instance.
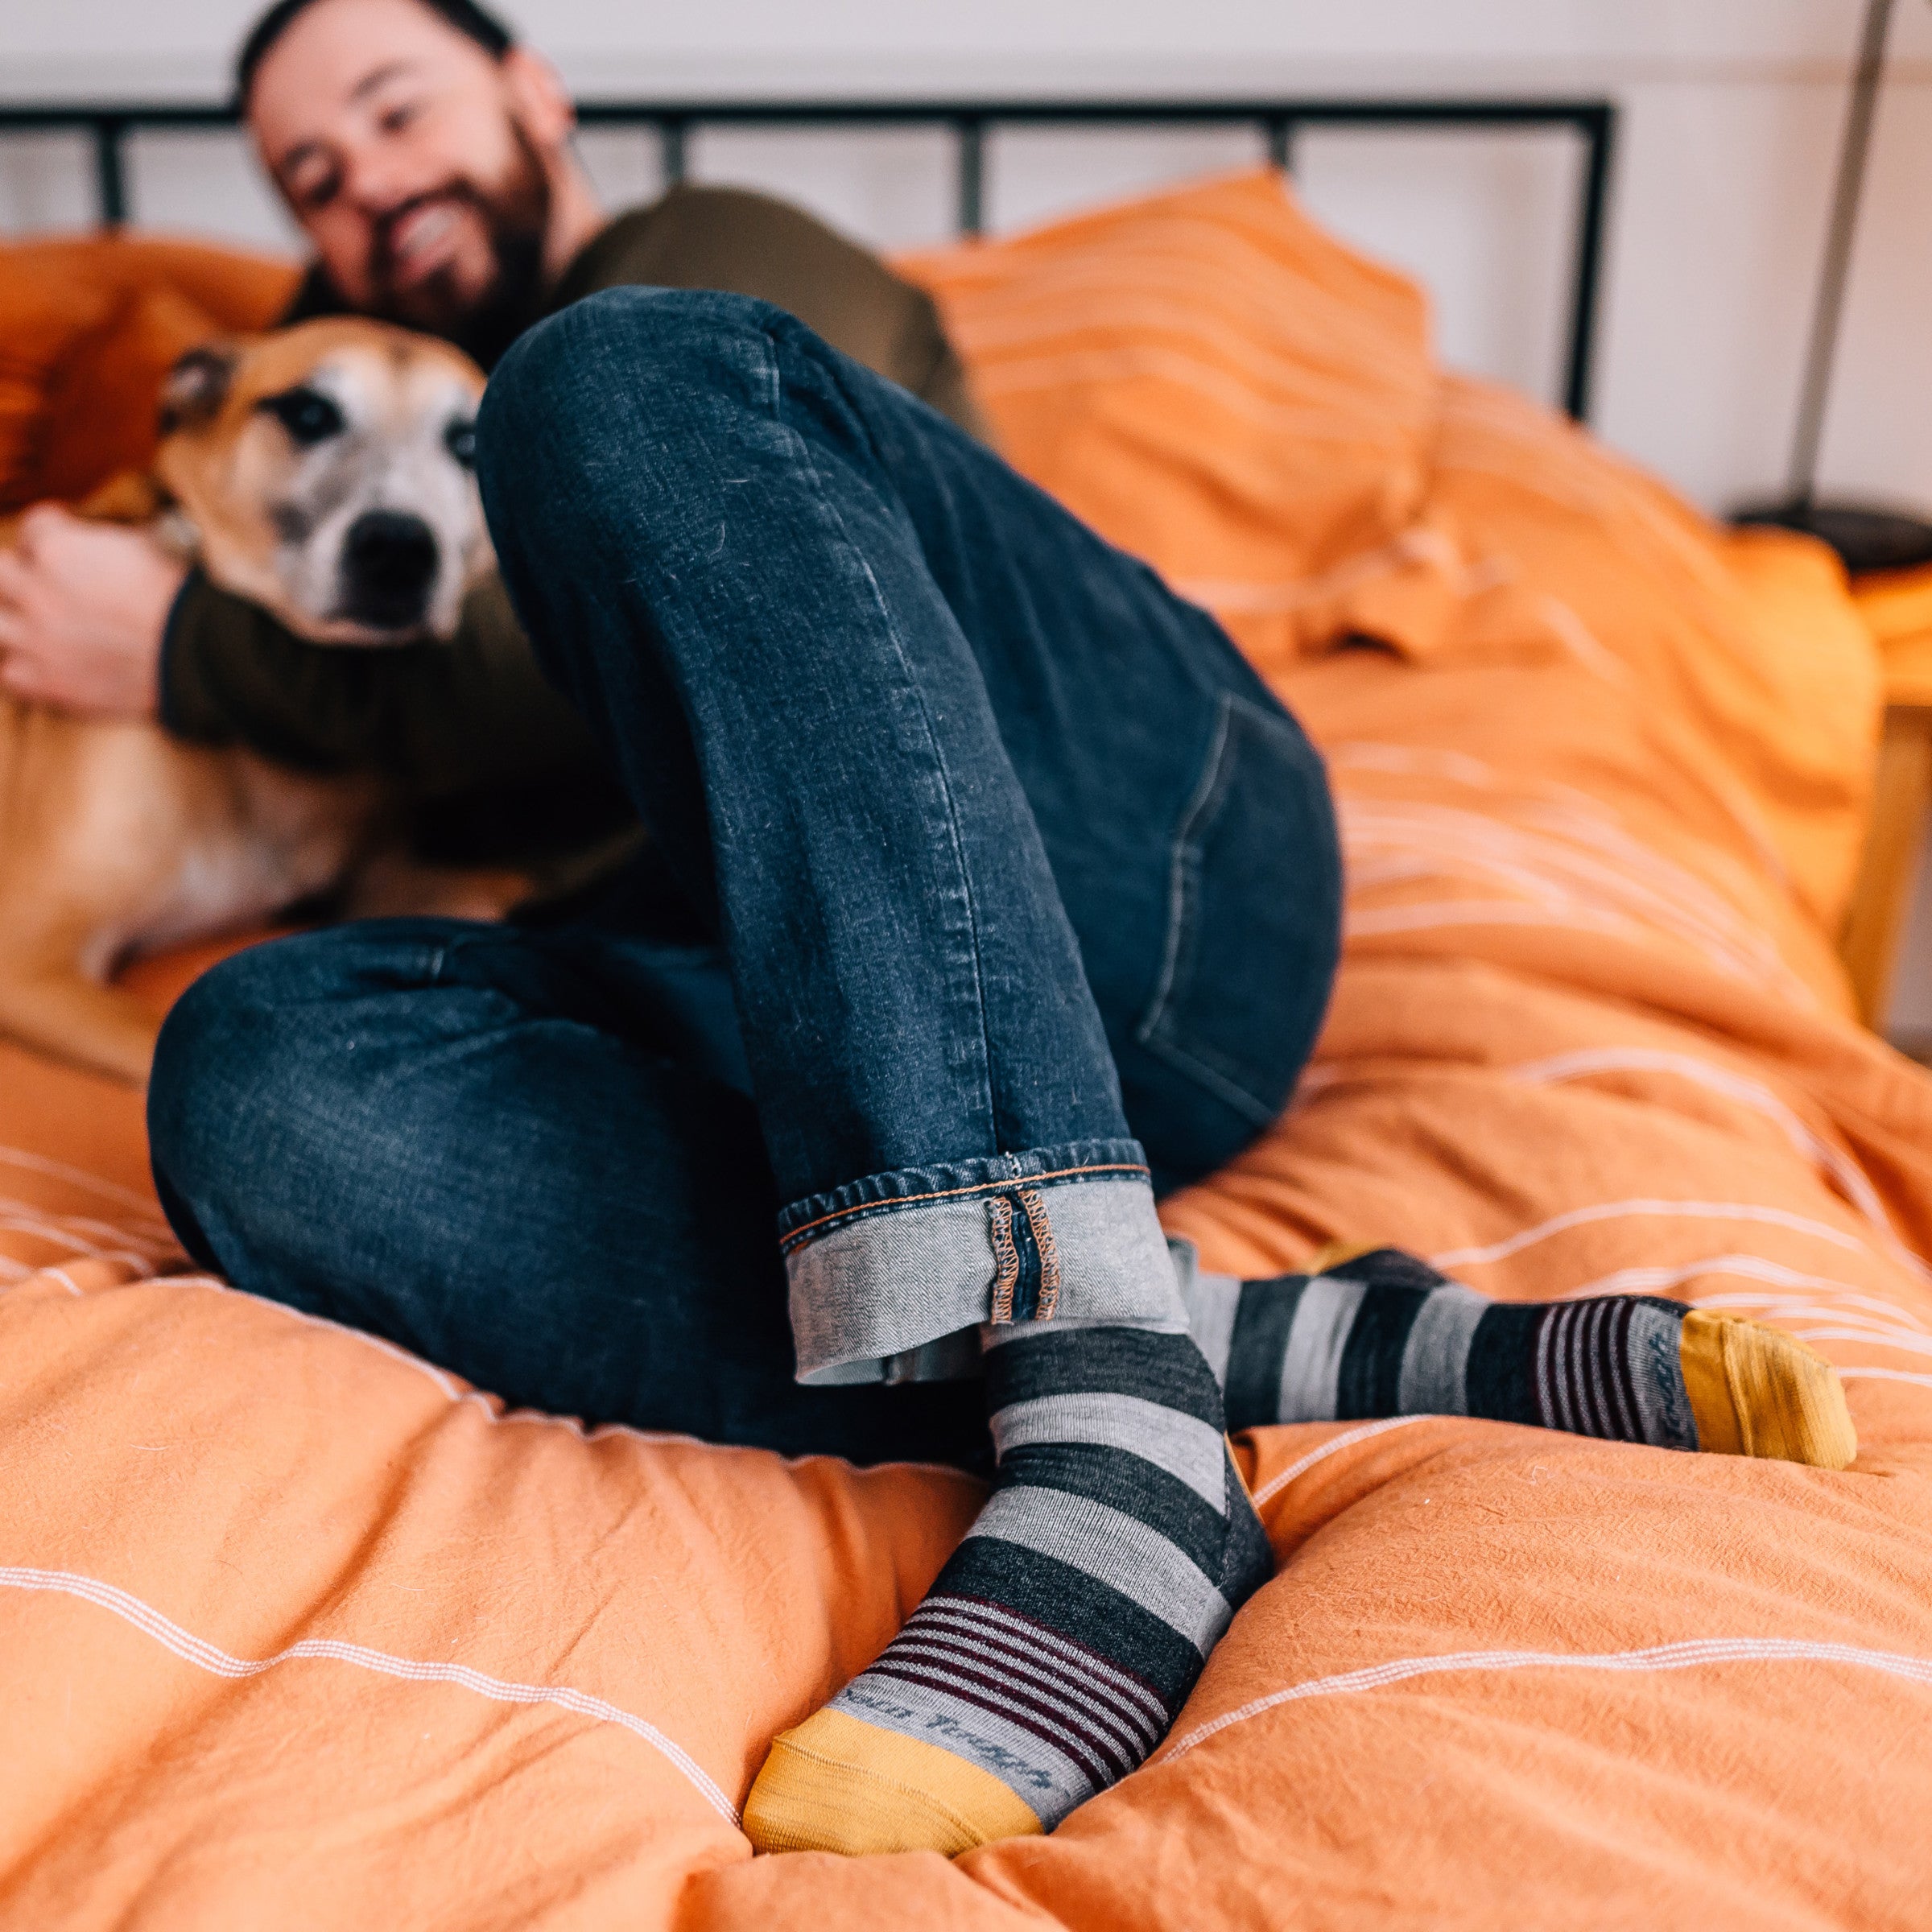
column 946, row 791
column 1157, row 1032
column 1006, row 1260
column 1035, row 1210
column 1183, row 863
column 796, row 1237
column 1236, row 1096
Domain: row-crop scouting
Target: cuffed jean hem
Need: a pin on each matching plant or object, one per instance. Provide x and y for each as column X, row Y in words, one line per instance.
column 892, row 1276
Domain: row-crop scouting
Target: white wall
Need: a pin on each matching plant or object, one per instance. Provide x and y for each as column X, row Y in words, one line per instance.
column 1731, row 111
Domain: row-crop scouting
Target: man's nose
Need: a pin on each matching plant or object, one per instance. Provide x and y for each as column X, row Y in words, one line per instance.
column 375, row 178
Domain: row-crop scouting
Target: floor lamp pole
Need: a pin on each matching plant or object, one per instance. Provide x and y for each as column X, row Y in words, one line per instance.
column 1867, row 539
column 1823, row 347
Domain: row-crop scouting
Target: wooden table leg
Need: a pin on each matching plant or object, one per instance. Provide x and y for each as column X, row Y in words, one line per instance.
column 1901, row 798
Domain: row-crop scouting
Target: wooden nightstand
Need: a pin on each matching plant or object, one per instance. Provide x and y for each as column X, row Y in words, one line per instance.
column 1899, row 610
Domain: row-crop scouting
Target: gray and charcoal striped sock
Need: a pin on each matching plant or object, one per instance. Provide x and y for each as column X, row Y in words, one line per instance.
column 1383, row 1333
column 1058, row 1643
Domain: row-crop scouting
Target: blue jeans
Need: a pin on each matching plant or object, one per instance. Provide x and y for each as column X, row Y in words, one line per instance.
column 992, row 891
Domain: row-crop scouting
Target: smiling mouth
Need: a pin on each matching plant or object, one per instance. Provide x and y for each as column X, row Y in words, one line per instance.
column 420, row 241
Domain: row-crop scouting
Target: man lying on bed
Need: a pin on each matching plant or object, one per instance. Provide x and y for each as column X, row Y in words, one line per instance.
column 1006, row 896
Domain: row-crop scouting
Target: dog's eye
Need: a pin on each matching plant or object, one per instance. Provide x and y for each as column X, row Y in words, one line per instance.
column 307, row 415
column 460, row 440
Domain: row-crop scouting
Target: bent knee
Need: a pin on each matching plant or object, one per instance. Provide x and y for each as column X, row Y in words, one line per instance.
column 211, row 1070
column 664, row 345
column 243, row 1053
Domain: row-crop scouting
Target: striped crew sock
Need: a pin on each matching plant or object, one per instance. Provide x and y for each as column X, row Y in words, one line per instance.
column 1382, row 1334
column 1059, row 1641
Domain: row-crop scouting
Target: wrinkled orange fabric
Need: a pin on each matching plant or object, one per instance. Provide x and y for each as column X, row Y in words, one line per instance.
column 297, row 1630
column 88, row 330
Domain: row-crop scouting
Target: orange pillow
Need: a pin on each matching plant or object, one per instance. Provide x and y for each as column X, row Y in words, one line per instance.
column 89, row 327
column 1203, row 375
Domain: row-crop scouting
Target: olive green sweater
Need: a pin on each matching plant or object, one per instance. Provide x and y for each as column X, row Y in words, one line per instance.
column 474, row 717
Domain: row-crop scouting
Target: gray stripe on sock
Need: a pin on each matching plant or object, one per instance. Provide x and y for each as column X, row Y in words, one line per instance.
column 1186, row 1447
column 1656, row 1376
column 1312, row 1366
column 1435, row 1358
column 1212, row 1302
column 1115, row 1549
column 1048, row 1781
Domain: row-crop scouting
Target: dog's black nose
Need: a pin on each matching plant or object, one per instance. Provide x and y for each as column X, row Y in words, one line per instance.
column 389, row 566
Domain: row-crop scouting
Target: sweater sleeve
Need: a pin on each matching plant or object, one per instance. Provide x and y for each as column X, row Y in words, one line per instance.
column 441, row 719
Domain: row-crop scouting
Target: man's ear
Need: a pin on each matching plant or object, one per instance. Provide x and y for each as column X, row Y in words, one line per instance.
column 538, row 99
column 197, row 386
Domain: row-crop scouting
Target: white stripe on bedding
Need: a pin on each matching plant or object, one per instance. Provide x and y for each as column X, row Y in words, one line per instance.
column 61, row 1171
column 205, row 1656
column 1852, row 1179
column 1658, row 1657
column 1641, row 1208
column 76, row 1223
column 1745, row 1267
column 1347, row 1439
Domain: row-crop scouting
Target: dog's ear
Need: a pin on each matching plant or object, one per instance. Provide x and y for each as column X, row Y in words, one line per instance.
column 197, row 386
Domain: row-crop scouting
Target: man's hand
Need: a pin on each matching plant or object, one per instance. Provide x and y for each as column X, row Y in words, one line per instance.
column 82, row 608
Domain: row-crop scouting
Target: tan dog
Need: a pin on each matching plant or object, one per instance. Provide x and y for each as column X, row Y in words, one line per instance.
column 323, row 472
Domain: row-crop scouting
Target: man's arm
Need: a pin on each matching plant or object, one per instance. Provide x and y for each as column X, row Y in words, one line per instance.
column 72, row 595
column 441, row 718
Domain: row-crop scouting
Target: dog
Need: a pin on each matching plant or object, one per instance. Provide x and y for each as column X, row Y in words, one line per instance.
column 325, row 473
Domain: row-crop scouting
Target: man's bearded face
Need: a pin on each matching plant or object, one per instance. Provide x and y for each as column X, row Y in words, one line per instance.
column 397, row 144
column 464, row 259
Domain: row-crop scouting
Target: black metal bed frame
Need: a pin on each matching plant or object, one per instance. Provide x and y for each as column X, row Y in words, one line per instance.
column 110, row 123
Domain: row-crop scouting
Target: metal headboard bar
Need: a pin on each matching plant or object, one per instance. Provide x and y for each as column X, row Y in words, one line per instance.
column 109, row 124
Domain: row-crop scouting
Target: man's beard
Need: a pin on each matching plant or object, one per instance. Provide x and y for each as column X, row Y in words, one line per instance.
column 515, row 216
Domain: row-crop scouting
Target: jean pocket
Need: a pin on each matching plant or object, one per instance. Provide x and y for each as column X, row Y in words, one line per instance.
column 1254, row 915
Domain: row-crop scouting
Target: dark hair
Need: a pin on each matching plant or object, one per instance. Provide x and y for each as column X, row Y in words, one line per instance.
column 466, row 16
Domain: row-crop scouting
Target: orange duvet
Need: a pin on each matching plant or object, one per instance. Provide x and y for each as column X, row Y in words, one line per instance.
column 297, row 1631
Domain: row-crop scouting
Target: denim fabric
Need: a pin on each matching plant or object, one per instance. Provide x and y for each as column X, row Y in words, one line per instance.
column 1003, row 854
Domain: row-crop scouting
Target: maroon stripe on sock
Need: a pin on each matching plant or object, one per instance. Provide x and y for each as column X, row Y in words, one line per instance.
column 1582, row 1333
column 929, row 1652
column 967, row 1664
column 1560, row 1392
column 1094, row 1708
column 1603, row 1358
column 1603, row 1369
column 1129, row 1685
column 1552, row 1406
column 1616, row 1372
column 945, row 1647
column 942, row 1613
column 995, row 1695
column 1562, row 1350
column 1577, row 1367
column 1583, row 1329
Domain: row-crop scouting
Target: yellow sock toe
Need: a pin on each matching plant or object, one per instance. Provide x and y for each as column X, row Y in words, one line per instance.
column 1756, row 1391
column 837, row 1785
